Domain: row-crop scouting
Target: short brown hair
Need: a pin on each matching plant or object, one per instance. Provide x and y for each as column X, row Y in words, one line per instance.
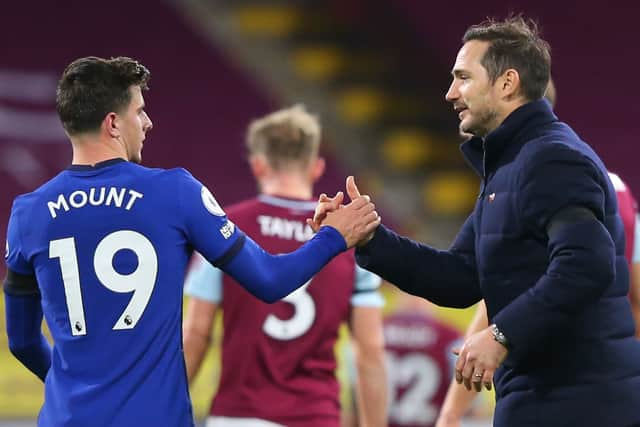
column 92, row 87
column 287, row 137
column 515, row 43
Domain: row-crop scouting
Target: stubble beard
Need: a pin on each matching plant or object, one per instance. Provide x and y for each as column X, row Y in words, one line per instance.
column 482, row 126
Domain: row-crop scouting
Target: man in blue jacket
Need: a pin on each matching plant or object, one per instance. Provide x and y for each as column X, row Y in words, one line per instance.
column 544, row 247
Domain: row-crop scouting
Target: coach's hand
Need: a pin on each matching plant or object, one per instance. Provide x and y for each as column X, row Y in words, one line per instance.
column 478, row 360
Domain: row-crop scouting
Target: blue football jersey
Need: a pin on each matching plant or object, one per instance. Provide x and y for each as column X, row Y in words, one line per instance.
column 109, row 246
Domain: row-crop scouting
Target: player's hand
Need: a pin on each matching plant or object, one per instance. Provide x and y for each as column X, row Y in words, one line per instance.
column 478, row 360
column 356, row 221
column 325, row 205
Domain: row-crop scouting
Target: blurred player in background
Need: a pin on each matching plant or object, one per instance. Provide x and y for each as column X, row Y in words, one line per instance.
column 628, row 208
column 278, row 361
column 458, row 399
column 102, row 249
column 419, row 362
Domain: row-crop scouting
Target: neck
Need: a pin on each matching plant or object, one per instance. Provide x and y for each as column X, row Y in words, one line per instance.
column 286, row 185
column 506, row 111
column 92, row 149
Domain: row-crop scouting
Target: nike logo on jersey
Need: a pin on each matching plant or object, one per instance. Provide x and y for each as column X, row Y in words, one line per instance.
column 103, row 196
column 284, row 228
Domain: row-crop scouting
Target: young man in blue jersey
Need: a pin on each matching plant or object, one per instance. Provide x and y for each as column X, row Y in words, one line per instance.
column 101, row 250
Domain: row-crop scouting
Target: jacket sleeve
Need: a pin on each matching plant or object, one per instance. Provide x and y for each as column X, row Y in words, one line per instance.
column 581, row 254
column 447, row 278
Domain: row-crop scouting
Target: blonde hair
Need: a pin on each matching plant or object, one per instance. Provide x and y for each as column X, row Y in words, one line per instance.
column 287, row 137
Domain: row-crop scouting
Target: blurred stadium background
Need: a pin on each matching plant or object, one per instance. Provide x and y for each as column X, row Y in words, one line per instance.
column 375, row 70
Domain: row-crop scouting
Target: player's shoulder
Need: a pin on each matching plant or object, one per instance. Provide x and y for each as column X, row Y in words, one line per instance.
column 24, row 202
column 177, row 174
column 169, row 181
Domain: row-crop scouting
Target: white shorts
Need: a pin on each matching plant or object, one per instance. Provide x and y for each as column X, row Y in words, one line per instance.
column 239, row 422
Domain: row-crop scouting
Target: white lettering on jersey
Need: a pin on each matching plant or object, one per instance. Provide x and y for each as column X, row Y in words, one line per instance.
column 134, row 196
column 79, row 199
column 115, row 197
column 53, row 206
column 420, row 377
column 284, row 228
column 409, row 336
column 227, row 229
column 92, row 198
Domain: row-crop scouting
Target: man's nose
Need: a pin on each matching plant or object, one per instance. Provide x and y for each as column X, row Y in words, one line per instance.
column 452, row 94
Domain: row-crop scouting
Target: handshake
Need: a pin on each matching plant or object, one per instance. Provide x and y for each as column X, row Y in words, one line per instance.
column 356, row 221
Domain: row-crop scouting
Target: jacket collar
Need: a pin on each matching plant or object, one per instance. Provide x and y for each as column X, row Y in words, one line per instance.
column 518, row 128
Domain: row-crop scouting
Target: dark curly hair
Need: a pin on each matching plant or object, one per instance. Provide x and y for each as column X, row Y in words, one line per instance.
column 92, row 87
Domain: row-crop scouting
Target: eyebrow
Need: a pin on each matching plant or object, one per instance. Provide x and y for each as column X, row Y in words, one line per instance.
column 457, row 71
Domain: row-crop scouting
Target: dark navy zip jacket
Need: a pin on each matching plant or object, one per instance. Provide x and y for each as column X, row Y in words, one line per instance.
column 561, row 301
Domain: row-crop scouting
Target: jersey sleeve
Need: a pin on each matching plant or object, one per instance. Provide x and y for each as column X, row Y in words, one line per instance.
column 205, row 223
column 204, row 281
column 366, row 290
column 15, row 252
column 20, row 278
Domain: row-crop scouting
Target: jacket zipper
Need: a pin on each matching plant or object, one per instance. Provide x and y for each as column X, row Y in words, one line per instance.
column 484, row 169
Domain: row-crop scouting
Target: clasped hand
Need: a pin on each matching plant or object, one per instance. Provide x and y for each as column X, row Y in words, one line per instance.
column 356, row 221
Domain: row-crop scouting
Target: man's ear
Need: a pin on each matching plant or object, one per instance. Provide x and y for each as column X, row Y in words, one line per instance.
column 110, row 125
column 259, row 166
column 317, row 168
column 509, row 84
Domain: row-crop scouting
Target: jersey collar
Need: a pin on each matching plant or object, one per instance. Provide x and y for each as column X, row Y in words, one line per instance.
column 98, row 165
